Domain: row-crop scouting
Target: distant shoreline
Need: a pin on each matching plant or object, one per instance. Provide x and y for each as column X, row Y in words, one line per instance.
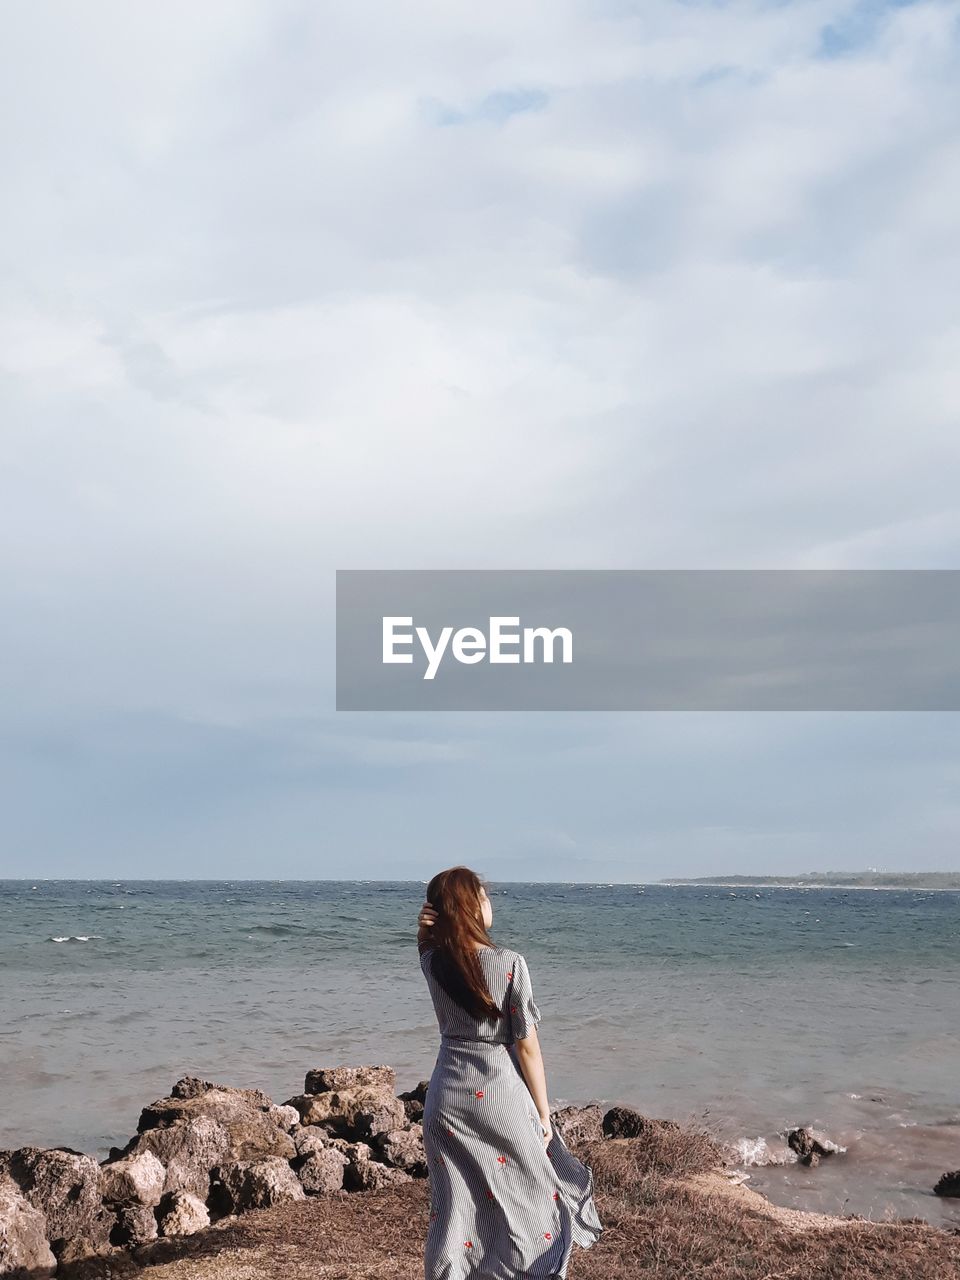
column 926, row 881
column 803, row 884
column 920, row 881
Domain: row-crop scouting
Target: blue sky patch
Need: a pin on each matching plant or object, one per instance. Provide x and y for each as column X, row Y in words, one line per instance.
column 857, row 27
column 495, row 107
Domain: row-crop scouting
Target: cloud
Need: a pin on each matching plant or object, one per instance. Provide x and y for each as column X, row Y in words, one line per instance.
column 677, row 290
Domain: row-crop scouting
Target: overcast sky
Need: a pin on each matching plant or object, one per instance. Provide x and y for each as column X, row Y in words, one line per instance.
column 291, row 287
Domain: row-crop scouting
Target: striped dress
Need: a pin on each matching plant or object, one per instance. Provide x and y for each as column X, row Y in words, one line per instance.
column 502, row 1206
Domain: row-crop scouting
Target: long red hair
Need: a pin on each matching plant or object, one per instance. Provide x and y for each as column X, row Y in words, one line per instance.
column 456, row 934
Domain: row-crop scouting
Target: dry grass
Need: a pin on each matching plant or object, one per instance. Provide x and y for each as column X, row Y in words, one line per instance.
column 664, row 1216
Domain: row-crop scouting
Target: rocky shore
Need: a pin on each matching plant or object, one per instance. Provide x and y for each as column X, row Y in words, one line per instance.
column 211, row 1165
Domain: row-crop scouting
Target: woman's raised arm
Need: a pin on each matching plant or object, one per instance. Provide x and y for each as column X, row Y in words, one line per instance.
column 425, row 920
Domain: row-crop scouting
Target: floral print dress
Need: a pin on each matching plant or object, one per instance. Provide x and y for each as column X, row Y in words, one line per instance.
column 502, row 1206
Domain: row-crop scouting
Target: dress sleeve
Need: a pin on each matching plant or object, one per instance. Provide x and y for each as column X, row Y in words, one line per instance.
column 524, row 1014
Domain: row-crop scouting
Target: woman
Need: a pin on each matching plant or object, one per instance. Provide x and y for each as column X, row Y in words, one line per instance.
column 507, row 1199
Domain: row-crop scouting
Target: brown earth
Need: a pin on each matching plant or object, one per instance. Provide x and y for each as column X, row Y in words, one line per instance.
column 668, row 1214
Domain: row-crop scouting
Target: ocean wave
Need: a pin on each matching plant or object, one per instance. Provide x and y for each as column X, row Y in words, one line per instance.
column 276, row 930
column 757, row 1152
column 79, row 937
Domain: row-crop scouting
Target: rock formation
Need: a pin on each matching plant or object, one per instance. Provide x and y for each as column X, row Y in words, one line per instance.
column 24, row 1249
column 208, row 1151
column 625, row 1122
column 810, row 1146
column 948, row 1185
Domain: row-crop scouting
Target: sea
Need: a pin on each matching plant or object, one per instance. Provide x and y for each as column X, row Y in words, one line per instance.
column 747, row 1011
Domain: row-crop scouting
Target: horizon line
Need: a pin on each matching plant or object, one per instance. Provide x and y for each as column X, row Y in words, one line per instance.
column 665, row 882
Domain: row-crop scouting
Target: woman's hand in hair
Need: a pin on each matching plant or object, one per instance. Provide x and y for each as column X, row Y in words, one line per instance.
column 427, row 916
column 425, row 920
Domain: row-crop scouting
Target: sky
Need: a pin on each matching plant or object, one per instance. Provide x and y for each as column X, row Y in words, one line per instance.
column 291, row 287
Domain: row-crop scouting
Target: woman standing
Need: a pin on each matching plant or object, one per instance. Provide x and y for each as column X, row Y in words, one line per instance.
column 507, row 1199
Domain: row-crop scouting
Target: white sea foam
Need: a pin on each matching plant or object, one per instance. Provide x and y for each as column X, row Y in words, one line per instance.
column 79, row 937
column 757, row 1151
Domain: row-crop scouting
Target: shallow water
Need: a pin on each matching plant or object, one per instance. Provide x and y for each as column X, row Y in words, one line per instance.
column 751, row 1010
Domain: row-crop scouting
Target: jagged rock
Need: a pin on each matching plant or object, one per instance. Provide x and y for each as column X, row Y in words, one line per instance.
column 135, row 1225
column 374, row 1176
column 182, row 1214
column 192, row 1087
column 322, row 1170
column 252, row 1121
column 364, row 1174
column 337, row 1079
column 137, row 1179
column 360, row 1173
column 948, row 1185
column 24, row 1251
column 351, row 1102
column 64, row 1185
column 254, row 1184
column 188, row 1150
column 354, row 1151
column 403, row 1149
column 286, row 1117
column 578, row 1124
column 418, row 1094
column 413, row 1100
column 810, row 1146
column 363, row 1112
column 311, row 1138
column 625, row 1122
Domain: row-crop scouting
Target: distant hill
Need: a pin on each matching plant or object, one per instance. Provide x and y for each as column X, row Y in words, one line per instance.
column 839, row 880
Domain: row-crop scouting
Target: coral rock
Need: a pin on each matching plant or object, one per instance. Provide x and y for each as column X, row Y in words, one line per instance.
column 182, row 1214
column 137, row 1179
column 136, row 1224
column 336, row 1079
column 322, row 1170
column 24, row 1251
column 254, row 1184
column 578, row 1124
column 64, row 1185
